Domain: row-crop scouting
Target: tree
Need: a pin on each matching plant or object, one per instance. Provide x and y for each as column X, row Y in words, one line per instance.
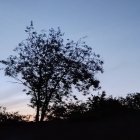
column 104, row 105
column 49, row 67
column 132, row 101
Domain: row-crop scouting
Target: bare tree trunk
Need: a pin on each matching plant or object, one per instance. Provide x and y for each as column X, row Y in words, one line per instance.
column 43, row 111
column 43, row 114
column 37, row 114
column 45, row 107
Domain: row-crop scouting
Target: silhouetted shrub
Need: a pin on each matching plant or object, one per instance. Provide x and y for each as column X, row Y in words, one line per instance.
column 76, row 111
column 56, row 112
column 11, row 117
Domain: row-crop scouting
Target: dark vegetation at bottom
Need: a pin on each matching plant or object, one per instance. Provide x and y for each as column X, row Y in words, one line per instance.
column 99, row 118
column 124, row 127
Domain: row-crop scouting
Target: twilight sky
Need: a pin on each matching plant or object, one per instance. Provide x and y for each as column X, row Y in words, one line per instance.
column 112, row 28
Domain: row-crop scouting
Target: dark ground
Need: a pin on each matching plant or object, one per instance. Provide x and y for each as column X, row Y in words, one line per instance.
column 125, row 127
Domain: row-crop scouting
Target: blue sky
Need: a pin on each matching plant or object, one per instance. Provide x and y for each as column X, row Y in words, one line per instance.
column 112, row 28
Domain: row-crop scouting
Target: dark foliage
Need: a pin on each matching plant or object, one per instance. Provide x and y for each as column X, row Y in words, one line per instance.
column 97, row 107
column 49, row 67
column 6, row 117
column 132, row 101
column 67, row 111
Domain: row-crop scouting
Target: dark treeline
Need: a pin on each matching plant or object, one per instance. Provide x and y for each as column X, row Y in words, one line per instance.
column 96, row 107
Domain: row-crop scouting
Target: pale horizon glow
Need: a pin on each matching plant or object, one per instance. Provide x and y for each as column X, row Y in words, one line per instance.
column 112, row 28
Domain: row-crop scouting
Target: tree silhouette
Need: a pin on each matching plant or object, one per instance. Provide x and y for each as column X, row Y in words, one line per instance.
column 132, row 101
column 49, row 67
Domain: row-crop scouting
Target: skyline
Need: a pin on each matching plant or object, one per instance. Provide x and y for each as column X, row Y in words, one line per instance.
column 112, row 29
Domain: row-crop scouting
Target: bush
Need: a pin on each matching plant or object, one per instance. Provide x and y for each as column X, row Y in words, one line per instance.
column 11, row 117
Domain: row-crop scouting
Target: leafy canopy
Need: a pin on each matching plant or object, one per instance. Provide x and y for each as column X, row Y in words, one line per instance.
column 50, row 67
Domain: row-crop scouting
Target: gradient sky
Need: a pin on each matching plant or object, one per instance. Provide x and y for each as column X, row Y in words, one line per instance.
column 112, row 28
